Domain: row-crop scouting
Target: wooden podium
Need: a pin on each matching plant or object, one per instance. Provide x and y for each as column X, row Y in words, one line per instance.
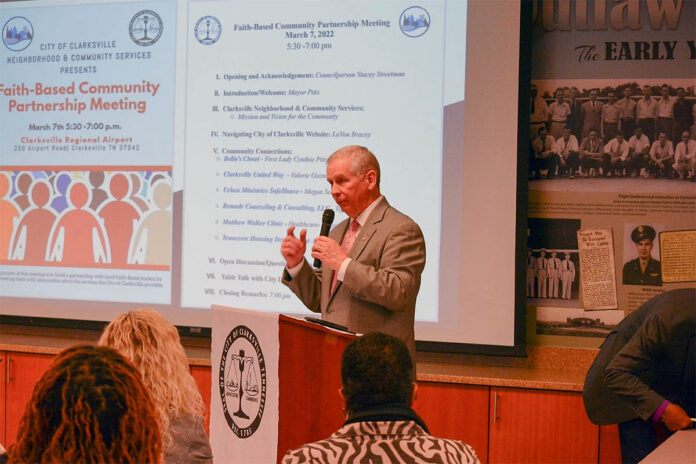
column 309, row 370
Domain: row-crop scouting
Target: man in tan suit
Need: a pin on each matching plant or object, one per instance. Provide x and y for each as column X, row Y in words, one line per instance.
column 371, row 263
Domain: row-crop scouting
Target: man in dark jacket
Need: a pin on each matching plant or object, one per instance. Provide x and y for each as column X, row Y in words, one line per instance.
column 644, row 373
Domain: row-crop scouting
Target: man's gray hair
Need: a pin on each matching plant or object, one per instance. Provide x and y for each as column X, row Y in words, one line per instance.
column 362, row 160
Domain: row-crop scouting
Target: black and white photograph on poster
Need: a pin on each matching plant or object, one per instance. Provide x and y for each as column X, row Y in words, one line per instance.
column 627, row 71
column 552, row 262
column 641, row 255
column 612, row 135
column 576, row 322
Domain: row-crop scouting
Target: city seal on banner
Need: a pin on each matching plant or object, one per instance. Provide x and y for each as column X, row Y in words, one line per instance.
column 17, row 33
column 242, row 381
column 207, row 30
column 414, row 21
column 145, row 28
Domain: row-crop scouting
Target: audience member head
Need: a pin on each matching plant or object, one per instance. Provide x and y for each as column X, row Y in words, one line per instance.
column 376, row 369
column 89, row 406
column 152, row 343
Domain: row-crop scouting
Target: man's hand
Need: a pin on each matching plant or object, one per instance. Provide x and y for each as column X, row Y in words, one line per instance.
column 293, row 248
column 675, row 418
column 329, row 252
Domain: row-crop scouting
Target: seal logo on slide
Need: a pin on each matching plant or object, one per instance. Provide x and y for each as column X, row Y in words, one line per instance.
column 17, row 33
column 145, row 28
column 242, row 381
column 207, row 30
column 414, row 21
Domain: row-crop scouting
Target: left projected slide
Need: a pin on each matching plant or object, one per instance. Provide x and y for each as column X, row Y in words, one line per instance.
column 86, row 136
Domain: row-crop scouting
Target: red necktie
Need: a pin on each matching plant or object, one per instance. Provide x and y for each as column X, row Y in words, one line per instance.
column 346, row 246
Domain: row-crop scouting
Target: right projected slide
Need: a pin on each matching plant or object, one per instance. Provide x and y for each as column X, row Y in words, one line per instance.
column 271, row 93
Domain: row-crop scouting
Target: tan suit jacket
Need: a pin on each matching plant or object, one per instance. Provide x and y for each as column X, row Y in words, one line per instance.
column 381, row 283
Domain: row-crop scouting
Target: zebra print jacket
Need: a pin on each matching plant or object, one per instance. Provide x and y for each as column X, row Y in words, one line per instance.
column 383, row 442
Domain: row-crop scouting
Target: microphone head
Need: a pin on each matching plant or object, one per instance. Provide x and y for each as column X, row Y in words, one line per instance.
column 328, row 216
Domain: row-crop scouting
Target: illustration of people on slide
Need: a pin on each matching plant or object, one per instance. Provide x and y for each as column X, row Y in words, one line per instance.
column 130, row 226
column 61, row 181
column 9, row 211
column 30, row 237
column 78, row 237
column 99, row 195
column 22, row 184
column 136, row 195
column 151, row 243
column 120, row 215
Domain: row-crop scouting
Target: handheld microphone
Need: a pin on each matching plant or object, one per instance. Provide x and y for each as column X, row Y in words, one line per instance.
column 326, row 220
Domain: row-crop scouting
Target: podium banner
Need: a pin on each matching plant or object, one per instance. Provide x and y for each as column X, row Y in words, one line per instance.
column 245, row 388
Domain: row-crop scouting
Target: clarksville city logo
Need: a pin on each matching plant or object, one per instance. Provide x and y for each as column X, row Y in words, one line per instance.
column 145, row 28
column 207, row 30
column 17, row 33
column 414, row 21
column 242, row 381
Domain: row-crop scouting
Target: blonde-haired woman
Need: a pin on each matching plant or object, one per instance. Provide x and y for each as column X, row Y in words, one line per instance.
column 146, row 338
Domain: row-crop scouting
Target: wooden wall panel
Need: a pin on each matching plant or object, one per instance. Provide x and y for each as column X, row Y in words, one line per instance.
column 23, row 371
column 539, row 426
column 456, row 411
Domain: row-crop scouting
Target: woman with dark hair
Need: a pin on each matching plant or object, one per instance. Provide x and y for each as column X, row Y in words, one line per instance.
column 89, row 406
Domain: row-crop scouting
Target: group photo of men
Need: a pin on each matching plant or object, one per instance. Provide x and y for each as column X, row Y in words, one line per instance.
column 553, row 271
column 550, row 274
column 622, row 130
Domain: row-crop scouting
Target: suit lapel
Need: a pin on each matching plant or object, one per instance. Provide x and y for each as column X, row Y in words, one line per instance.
column 361, row 241
column 369, row 229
